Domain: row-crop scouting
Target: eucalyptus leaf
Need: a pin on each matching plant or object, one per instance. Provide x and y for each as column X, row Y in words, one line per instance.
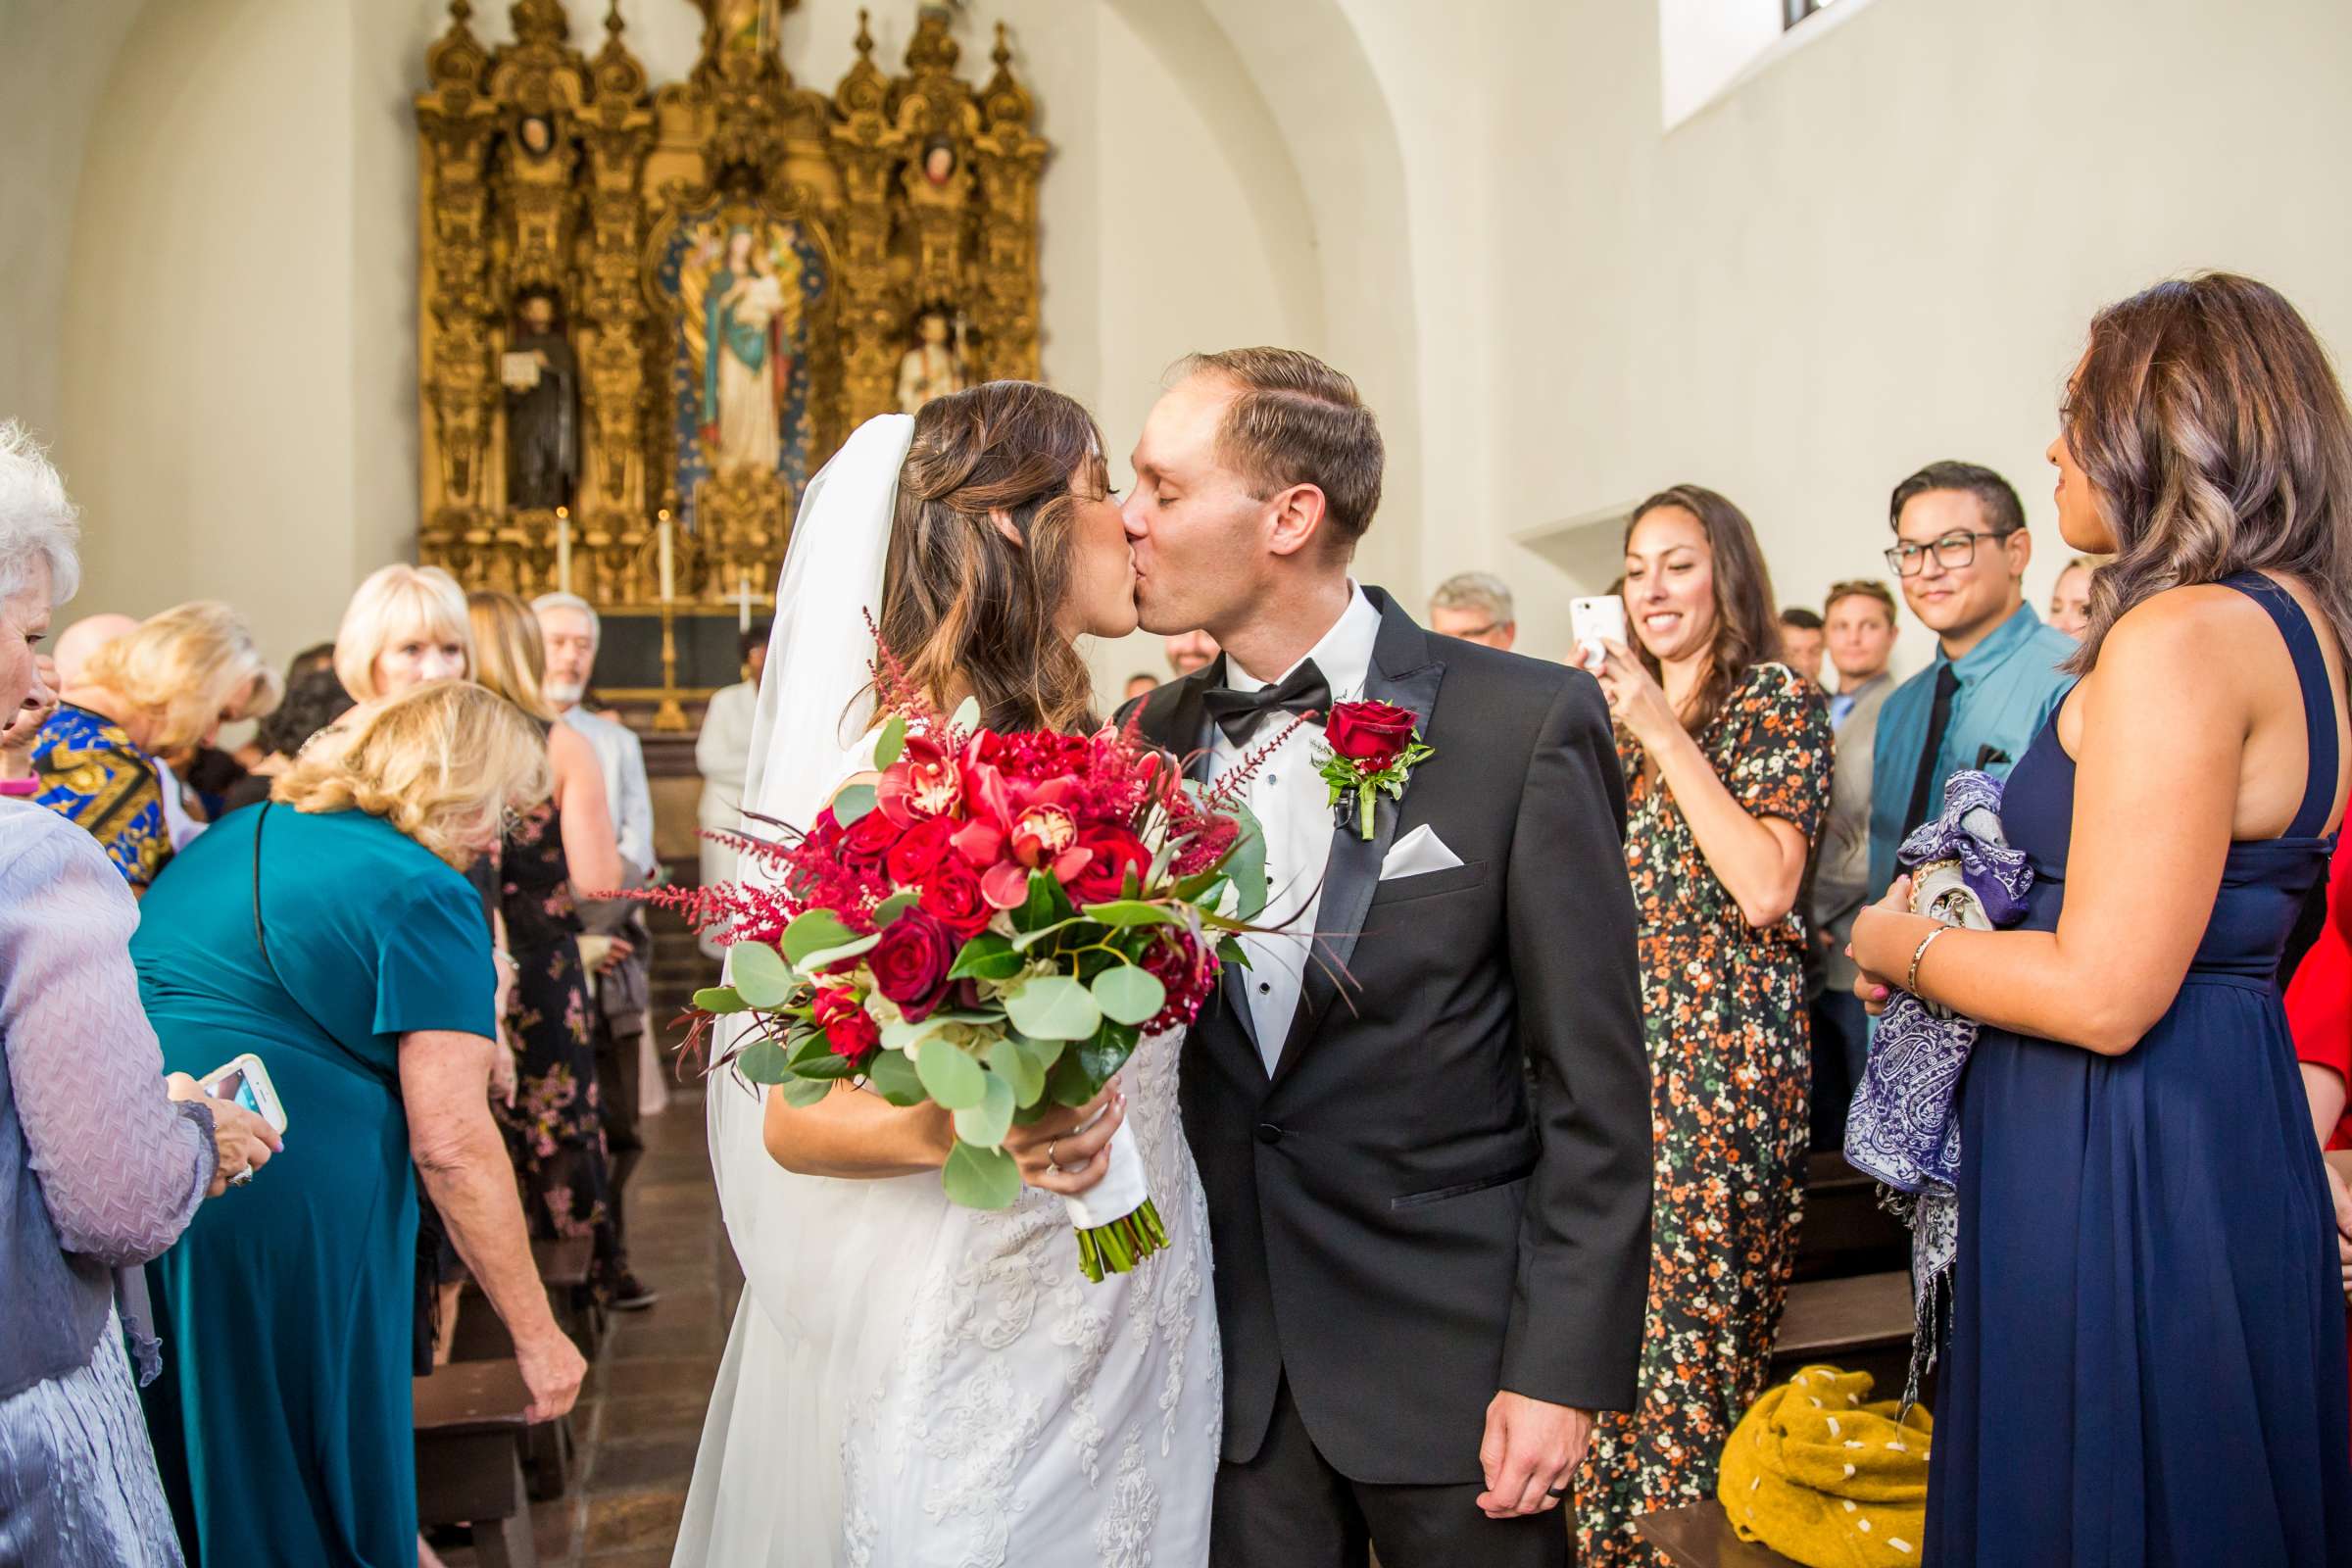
column 852, row 803
column 986, row 1123
column 1018, row 1069
column 968, row 716
column 955, row 1080
column 816, row 961
column 1245, row 863
column 986, row 956
column 892, row 744
column 802, row 1093
column 902, row 1033
column 1130, row 995
column 1130, row 912
column 762, row 978
column 813, row 931
column 895, row 905
column 1053, row 1007
column 980, row 1178
column 762, row 1062
column 721, row 999
column 892, row 1076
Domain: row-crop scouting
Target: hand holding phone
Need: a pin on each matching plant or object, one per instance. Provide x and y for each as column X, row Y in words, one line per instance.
column 245, row 1082
column 1595, row 622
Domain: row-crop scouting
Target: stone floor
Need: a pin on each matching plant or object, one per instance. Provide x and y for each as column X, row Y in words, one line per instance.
column 640, row 1414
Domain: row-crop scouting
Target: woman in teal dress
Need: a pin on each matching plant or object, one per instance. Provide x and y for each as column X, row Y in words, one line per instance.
column 365, row 983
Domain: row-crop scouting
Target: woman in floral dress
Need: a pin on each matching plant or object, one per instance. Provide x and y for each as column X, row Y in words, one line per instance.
column 1726, row 767
column 554, row 1127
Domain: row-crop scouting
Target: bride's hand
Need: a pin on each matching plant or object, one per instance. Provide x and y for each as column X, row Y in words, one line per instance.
column 1054, row 1152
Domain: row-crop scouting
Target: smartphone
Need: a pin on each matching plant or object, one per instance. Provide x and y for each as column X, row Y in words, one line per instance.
column 247, row 1082
column 1591, row 620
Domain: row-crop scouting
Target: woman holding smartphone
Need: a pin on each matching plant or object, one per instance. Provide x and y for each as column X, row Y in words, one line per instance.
column 331, row 932
column 1726, row 768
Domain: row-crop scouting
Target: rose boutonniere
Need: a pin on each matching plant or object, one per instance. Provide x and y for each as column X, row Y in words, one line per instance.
column 1370, row 748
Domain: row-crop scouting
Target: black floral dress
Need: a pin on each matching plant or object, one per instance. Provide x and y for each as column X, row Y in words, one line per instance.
column 1723, row 1013
column 553, row 1128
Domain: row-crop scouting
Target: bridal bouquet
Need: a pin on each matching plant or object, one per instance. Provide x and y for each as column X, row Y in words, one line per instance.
column 989, row 927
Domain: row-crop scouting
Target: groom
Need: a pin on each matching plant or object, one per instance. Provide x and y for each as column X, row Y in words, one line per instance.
column 1426, row 1145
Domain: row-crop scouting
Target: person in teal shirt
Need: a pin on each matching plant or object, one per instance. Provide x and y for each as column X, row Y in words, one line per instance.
column 1960, row 550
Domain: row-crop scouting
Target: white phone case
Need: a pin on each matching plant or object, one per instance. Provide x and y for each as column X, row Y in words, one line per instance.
column 260, row 1094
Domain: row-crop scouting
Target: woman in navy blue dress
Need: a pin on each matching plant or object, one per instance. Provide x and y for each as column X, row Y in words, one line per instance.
column 2146, row 1347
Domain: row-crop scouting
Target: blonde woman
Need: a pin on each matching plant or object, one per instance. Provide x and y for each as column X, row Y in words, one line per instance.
column 404, row 626
column 332, row 934
column 555, row 1127
column 155, row 695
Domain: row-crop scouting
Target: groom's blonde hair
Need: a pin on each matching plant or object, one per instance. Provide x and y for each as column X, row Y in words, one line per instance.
column 1298, row 421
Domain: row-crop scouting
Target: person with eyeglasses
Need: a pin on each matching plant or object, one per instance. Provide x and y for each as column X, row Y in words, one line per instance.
column 1476, row 607
column 1960, row 552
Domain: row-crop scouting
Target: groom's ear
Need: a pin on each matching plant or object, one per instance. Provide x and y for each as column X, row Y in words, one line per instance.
column 1004, row 526
column 1294, row 519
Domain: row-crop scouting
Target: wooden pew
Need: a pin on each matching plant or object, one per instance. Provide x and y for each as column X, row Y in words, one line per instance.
column 1699, row 1535
column 471, row 1417
column 481, row 1337
column 1846, row 1231
column 1861, row 1324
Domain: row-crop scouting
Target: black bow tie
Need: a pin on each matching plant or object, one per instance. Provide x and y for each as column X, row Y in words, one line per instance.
column 1302, row 691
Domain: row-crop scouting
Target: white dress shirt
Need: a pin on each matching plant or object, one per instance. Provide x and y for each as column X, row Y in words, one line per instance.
column 1293, row 804
column 621, row 758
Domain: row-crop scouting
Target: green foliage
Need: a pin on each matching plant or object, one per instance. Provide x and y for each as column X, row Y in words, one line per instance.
column 721, row 999
column 892, row 743
column 812, row 931
column 1245, row 863
column 1129, row 994
column 986, row 956
column 968, row 716
column 895, row 905
column 892, row 1076
column 955, row 1081
column 980, row 1178
column 1047, row 903
column 986, row 1123
column 762, row 978
column 802, row 1093
column 1132, row 911
column 815, row 963
column 852, row 804
column 1024, row 1073
column 1053, row 1008
column 762, row 1062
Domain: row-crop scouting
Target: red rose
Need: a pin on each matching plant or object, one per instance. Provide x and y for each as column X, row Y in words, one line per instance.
column 912, row 858
column 868, row 841
column 848, row 1029
column 1113, row 853
column 952, row 894
column 1371, row 735
column 910, row 962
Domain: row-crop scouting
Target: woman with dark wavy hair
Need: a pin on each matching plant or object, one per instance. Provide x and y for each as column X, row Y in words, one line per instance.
column 2145, row 1354
column 1726, row 767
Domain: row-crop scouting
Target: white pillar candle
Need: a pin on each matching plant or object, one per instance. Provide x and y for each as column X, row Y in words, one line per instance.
column 668, row 566
column 742, row 602
column 563, row 551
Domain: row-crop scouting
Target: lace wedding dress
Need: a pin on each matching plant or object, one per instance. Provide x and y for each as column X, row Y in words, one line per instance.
column 910, row 1383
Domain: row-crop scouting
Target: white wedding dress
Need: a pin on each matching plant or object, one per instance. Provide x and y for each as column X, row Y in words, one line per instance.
column 910, row 1383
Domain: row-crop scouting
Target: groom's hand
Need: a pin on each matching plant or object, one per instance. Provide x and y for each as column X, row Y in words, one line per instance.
column 1531, row 1451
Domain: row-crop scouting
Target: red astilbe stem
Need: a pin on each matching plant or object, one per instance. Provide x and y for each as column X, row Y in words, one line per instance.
column 1229, row 783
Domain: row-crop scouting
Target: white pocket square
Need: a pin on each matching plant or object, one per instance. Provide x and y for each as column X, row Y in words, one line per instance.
column 1417, row 852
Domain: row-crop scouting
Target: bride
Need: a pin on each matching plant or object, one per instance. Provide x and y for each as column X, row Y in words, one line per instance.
column 910, row 1384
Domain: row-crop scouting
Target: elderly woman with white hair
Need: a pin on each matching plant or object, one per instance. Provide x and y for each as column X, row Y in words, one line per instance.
column 103, row 1161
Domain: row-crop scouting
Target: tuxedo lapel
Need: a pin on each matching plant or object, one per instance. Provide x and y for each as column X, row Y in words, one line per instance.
column 1404, row 671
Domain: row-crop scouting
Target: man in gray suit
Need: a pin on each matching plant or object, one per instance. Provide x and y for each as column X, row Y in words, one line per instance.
column 1860, row 627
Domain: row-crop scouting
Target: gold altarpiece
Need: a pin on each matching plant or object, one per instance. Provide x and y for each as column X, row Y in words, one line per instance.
column 656, row 312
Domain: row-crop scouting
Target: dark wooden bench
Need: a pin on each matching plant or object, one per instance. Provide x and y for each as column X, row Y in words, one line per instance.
column 472, row 1418
column 481, row 1337
column 1700, row 1536
column 1846, row 1231
column 1859, row 1324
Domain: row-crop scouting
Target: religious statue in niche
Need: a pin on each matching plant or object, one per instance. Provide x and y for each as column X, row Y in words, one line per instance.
column 938, row 160
column 744, row 284
column 542, row 379
column 937, row 363
column 537, row 135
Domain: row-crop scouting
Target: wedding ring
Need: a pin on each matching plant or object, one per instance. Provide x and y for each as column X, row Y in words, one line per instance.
column 1050, row 1159
column 243, row 1178
column 1556, row 1491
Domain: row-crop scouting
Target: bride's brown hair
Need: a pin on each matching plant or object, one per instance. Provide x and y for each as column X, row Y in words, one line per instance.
column 961, row 603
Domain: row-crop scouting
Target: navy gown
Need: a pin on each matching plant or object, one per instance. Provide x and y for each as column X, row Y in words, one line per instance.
column 2147, row 1361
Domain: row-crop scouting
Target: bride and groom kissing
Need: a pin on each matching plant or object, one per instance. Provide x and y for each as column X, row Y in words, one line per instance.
column 1402, row 1157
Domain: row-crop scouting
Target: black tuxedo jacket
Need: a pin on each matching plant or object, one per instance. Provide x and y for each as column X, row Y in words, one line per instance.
column 1442, row 1188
